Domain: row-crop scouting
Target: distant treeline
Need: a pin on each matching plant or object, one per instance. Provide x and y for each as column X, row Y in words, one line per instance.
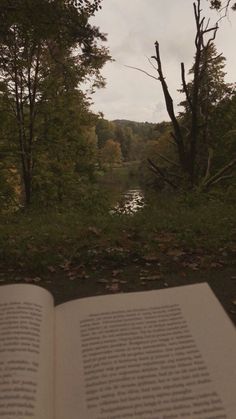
column 132, row 136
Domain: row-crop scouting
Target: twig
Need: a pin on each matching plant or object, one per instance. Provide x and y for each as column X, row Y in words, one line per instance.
column 150, row 62
column 168, row 160
column 185, row 87
column 155, row 169
column 219, row 174
column 142, row 71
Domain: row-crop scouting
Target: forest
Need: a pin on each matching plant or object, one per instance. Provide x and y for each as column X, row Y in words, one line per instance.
column 111, row 205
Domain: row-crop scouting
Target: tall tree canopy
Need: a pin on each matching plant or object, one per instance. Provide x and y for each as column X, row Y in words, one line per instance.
column 47, row 48
column 212, row 90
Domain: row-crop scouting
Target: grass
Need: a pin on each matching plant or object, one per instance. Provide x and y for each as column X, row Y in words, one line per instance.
column 38, row 239
column 210, row 223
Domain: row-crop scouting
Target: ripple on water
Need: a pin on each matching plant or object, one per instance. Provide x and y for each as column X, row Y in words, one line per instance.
column 131, row 201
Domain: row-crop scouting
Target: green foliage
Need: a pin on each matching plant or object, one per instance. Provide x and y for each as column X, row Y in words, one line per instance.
column 212, row 91
column 132, row 136
column 47, row 50
column 223, row 129
column 110, row 153
column 66, row 150
column 105, row 130
column 8, row 199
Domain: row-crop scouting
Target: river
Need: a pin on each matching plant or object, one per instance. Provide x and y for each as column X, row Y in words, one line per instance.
column 131, row 201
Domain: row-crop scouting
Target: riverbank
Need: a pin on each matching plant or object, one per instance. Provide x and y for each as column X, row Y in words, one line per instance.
column 78, row 252
column 178, row 227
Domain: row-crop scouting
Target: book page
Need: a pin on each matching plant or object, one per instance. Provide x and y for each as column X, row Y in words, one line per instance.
column 150, row 355
column 26, row 352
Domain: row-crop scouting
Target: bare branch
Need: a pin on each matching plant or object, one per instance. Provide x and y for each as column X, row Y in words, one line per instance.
column 215, row 29
column 185, row 87
column 209, row 160
column 169, row 103
column 168, row 160
column 142, row 71
column 224, row 8
column 174, row 138
column 220, row 173
column 150, row 62
column 220, row 179
column 155, row 169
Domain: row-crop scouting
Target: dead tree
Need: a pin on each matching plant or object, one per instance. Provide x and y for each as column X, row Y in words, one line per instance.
column 188, row 147
column 188, row 144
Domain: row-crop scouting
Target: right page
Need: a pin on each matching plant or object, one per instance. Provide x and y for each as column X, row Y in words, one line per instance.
column 150, row 355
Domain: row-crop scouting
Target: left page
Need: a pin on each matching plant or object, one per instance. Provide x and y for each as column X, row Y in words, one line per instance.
column 26, row 352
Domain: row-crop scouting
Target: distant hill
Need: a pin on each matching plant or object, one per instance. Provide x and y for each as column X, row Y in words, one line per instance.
column 131, row 135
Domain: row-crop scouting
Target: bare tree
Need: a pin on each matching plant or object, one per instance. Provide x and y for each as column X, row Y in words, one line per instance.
column 187, row 150
column 188, row 144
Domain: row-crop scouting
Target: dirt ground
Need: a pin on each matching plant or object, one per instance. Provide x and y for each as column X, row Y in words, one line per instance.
column 114, row 277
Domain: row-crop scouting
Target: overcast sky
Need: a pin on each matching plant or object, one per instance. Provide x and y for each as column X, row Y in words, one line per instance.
column 132, row 27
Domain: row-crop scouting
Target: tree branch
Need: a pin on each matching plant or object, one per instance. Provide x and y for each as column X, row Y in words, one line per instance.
column 168, row 160
column 169, row 106
column 209, row 160
column 185, row 87
column 155, row 169
column 142, row 71
column 219, row 174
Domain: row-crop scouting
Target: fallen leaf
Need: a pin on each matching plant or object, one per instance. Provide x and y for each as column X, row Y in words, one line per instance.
column 94, row 230
column 153, row 278
column 102, row 281
column 113, row 287
column 51, row 269
column 151, row 258
column 192, row 265
column 176, row 253
column 116, row 272
column 166, row 237
column 36, row 279
column 215, row 265
column 66, row 265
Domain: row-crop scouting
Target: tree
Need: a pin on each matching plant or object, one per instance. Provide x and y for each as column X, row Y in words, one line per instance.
column 124, row 135
column 105, row 130
column 212, row 90
column 223, row 129
column 188, row 144
column 111, row 153
column 65, row 149
column 46, row 49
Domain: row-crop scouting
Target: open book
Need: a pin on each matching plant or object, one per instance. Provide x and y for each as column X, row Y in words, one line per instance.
column 165, row 354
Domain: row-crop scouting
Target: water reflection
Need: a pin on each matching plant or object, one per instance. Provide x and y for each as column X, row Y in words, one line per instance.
column 130, row 202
